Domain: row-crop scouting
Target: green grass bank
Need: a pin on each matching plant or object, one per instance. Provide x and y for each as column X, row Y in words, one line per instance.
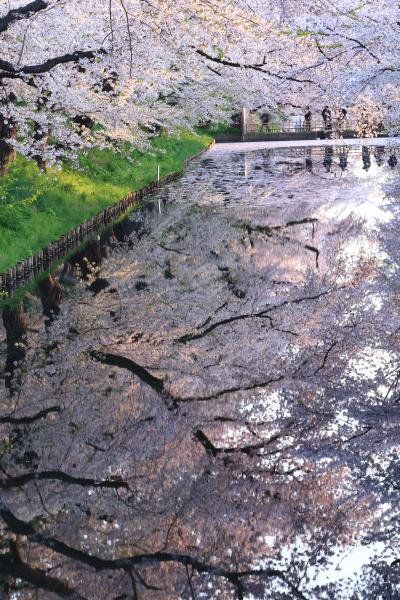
column 37, row 207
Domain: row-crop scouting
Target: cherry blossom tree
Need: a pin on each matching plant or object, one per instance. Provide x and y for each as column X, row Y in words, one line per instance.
column 127, row 66
column 130, row 67
column 353, row 51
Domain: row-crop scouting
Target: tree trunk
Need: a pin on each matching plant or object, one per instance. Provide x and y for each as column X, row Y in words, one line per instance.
column 42, row 138
column 8, row 130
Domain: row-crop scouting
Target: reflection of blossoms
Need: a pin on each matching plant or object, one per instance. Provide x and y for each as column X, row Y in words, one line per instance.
column 165, row 431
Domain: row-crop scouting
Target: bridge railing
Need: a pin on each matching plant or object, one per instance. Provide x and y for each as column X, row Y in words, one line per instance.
column 300, row 125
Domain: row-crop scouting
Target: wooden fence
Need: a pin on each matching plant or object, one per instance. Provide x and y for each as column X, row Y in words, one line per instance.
column 27, row 269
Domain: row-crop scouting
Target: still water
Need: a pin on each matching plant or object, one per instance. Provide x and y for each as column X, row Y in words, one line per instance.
column 209, row 405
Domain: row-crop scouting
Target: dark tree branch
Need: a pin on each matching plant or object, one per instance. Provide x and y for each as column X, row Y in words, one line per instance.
column 359, row 43
column 326, row 356
column 12, row 565
column 30, row 419
column 8, row 71
column 64, row 477
column 259, row 314
column 235, row 577
column 23, row 12
column 250, row 449
column 260, row 67
column 158, row 386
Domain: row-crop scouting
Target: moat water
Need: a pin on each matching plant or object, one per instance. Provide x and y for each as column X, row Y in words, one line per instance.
column 209, row 407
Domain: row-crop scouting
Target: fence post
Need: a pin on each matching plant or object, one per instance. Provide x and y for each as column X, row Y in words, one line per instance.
column 244, row 121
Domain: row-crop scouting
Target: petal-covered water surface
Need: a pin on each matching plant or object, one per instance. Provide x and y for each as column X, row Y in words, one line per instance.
column 209, row 405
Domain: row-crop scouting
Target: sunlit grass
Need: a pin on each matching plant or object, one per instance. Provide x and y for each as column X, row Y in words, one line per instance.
column 37, row 207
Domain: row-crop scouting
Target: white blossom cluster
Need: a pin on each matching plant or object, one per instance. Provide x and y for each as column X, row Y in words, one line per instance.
column 133, row 66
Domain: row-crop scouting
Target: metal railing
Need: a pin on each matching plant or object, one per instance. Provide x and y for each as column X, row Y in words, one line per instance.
column 316, row 125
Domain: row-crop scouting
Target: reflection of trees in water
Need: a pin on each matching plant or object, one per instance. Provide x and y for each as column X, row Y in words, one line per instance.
column 366, row 157
column 249, row 169
column 15, row 326
column 174, row 438
column 328, row 158
column 333, row 157
column 379, row 155
column 343, row 160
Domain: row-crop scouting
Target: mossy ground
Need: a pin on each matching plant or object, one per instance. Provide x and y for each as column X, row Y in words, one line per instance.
column 37, row 207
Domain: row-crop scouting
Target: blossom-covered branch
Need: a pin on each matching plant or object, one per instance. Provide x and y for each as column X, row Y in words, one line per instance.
column 12, row 72
column 22, row 12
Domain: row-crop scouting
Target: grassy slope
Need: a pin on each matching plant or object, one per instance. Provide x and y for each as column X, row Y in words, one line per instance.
column 36, row 208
